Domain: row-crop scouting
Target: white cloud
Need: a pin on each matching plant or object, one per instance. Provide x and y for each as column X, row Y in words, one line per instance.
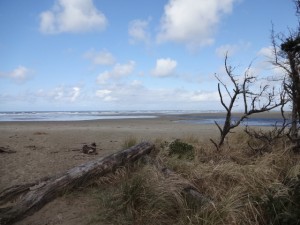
column 100, row 58
column 73, row 16
column 138, row 31
column 204, row 96
column 267, row 52
column 136, row 83
column 102, row 93
column 164, row 67
column 64, row 94
column 105, row 95
column 118, row 71
column 231, row 49
column 192, row 22
column 75, row 93
column 18, row 75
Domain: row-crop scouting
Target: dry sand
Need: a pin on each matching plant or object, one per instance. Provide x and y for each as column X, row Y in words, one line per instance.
column 49, row 148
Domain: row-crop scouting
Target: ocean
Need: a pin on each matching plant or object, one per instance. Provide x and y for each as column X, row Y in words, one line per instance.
column 182, row 116
column 72, row 115
column 263, row 122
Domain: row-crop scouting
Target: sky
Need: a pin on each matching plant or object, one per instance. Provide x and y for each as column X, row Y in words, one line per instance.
column 60, row 55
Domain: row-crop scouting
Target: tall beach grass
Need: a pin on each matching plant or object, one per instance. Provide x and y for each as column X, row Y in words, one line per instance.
column 243, row 186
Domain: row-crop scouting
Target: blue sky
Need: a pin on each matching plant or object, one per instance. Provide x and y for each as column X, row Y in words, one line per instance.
column 130, row 54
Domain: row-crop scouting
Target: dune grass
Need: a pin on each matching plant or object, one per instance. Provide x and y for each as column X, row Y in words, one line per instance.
column 129, row 141
column 245, row 187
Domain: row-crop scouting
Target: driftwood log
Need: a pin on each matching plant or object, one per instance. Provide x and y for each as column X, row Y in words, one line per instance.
column 35, row 195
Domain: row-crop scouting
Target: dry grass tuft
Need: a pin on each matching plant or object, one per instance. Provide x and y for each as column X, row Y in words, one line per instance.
column 129, row 142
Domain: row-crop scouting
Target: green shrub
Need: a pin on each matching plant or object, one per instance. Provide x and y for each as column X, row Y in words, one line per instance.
column 181, row 150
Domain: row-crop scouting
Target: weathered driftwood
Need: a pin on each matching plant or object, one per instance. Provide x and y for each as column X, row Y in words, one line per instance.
column 37, row 194
column 89, row 149
column 6, row 150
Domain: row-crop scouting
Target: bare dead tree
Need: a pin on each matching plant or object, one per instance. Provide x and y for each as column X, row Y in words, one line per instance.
column 286, row 53
column 253, row 101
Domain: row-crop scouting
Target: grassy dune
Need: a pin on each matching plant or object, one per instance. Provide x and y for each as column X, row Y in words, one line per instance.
column 245, row 187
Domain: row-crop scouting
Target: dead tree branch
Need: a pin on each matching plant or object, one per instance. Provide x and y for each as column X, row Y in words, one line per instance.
column 267, row 138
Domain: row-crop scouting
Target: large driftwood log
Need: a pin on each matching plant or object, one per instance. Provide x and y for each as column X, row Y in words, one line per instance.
column 36, row 195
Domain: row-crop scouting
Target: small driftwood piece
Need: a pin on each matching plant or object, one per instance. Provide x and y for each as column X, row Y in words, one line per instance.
column 36, row 195
column 89, row 149
column 6, row 150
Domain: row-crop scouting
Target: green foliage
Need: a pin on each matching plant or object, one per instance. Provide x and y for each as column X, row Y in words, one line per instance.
column 283, row 207
column 181, row 150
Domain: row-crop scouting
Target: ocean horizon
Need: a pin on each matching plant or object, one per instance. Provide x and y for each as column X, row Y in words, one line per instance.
column 182, row 116
column 9, row 116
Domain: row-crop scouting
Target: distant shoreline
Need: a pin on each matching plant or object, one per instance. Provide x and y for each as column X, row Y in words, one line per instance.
column 71, row 116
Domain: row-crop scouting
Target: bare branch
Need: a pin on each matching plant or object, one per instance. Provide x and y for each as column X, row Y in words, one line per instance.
column 221, row 98
column 218, row 126
column 247, row 95
column 224, row 85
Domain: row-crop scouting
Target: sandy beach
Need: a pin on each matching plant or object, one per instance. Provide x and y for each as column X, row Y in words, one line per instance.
column 49, row 148
column 46, row 148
